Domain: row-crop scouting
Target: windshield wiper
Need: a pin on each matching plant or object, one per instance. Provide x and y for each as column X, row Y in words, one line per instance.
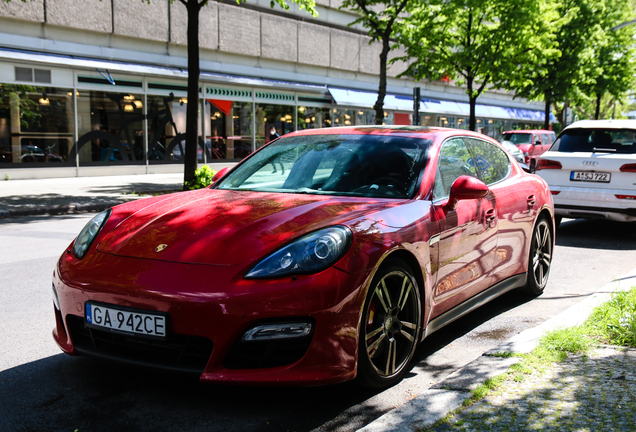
column 607, row 150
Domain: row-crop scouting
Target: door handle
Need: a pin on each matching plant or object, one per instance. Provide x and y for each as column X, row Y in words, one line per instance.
column 531, row 201
column 490, row 215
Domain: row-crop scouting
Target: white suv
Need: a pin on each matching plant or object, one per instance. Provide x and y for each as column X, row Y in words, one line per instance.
column 591, row 170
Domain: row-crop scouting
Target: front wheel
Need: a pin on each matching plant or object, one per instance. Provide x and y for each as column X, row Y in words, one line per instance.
column 390, row 326
column 540, row 259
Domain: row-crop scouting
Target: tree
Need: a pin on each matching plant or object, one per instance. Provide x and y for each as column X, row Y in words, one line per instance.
column 577, row 32
column 478, row 43
column 614, row 58
column 379, row 16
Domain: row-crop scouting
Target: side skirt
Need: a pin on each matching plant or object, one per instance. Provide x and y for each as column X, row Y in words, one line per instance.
column 473, row 303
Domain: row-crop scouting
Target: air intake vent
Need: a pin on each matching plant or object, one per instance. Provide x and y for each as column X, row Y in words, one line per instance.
column 33, row 75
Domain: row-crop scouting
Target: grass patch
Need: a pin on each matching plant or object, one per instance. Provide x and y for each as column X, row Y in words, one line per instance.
column 612, row 323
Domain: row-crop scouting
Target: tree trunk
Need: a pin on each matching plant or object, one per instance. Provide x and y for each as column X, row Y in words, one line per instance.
column 546, row 119
column 597, row 113
column 472, row 101
column 192, row 112
column 379, row 103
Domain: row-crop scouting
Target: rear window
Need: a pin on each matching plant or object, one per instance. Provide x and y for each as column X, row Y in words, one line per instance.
column 517, row 138
column 597, row 141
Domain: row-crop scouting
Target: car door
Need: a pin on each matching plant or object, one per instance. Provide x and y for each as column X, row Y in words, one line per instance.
column 515, row 203
column 467, row 239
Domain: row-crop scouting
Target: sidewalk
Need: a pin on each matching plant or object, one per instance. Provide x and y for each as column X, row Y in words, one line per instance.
column 80, row 194
column 593, row 393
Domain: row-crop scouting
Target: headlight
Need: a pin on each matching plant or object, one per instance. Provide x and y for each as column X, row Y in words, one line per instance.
column 309, row 254
column 88, row 233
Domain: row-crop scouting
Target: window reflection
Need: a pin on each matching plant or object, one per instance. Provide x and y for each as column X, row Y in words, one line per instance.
column 313, row 117
column 36, row 125
column 110, row 128
column 273, row 121
column 228, row 129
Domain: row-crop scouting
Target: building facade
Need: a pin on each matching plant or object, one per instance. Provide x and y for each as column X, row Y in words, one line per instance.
column 99, row 87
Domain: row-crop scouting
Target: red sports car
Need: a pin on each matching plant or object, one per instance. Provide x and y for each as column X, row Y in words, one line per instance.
column 334, row 267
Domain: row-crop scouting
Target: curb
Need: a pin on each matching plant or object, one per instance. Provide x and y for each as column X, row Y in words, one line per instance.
column 434, row 404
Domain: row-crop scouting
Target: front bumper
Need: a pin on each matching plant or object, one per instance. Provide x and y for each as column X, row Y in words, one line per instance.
column 210, row 308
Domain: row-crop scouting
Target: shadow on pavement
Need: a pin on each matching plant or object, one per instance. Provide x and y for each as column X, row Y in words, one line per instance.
column 597, row 234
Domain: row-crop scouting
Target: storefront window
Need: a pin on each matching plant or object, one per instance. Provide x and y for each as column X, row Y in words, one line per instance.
column 278, row 119
column 313, row 118
column 345, row 117
column 111, row 128
column 364, row 117
column 166, row 129
column 228, row 129
column 36, row 125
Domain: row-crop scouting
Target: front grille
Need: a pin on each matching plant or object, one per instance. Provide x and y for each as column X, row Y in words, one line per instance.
column 178, row 352
column 266, row 354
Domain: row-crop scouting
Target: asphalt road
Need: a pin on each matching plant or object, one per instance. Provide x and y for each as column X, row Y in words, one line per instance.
column 44, row 390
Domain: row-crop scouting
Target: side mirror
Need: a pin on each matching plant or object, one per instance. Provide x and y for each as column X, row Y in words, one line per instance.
column 220, row 173
column 537, row 142
column 465, row 188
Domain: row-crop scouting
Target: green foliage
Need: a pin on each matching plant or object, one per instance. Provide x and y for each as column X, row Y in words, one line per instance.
column 17, row 96
column 477, row 42
column 202, row 178
column 614, row 322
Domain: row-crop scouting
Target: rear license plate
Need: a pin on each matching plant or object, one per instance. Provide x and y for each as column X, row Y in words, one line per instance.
column 588, row 176
column 113, row 318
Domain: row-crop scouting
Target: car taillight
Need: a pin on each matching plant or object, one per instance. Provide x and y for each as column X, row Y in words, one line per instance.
column 627, row 197
column 548, row 164
column 629, row 168
column 555, row 192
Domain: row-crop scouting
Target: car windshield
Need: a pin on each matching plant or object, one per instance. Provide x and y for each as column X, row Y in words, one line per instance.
column 517, row 138
column 597, row 140
column 383, row 166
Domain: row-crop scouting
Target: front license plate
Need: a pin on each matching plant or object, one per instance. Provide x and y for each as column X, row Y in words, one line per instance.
column 588, row 176
column 116, row 319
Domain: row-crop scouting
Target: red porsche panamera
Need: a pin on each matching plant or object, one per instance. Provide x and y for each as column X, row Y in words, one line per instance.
column 371, row 239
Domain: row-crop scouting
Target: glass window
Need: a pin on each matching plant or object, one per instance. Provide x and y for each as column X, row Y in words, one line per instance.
column 273, row 121
column 228, row 129
column 36, row 125
column 313, row 118
column 111, row 128
column 491, row 161
column 597, row 140
column 454, row 161
column 351, row 165
column 517, row 138
column 348, row 117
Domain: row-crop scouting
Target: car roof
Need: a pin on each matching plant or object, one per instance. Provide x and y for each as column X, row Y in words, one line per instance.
column 603, row 124
column 527, row 131
column 430, row 132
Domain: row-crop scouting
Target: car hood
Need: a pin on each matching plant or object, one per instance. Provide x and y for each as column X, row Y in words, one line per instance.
column 226, row 227
column 524, row 147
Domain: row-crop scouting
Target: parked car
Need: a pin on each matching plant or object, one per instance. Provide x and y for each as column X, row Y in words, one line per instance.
column 372, row 239
column 591, row 170
column 532, row 143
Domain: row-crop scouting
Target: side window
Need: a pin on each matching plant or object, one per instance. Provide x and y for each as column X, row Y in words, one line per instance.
column 491, row 161
column 454, row 161
column 545, row 138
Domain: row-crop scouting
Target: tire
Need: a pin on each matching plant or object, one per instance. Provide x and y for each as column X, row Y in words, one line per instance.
column 390, row 326
column 533, row 166
column 540, row 259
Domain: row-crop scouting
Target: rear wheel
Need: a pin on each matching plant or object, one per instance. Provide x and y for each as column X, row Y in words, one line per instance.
column 390, row 326
column 540, row 259
column 533, row 166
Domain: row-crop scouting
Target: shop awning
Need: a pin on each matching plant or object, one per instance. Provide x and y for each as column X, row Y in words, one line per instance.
column 362, row 99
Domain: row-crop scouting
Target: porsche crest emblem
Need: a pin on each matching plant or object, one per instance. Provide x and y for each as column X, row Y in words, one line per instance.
column 161, row 247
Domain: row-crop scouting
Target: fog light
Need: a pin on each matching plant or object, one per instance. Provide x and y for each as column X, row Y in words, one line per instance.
column 56, row 300
column 277, row 331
